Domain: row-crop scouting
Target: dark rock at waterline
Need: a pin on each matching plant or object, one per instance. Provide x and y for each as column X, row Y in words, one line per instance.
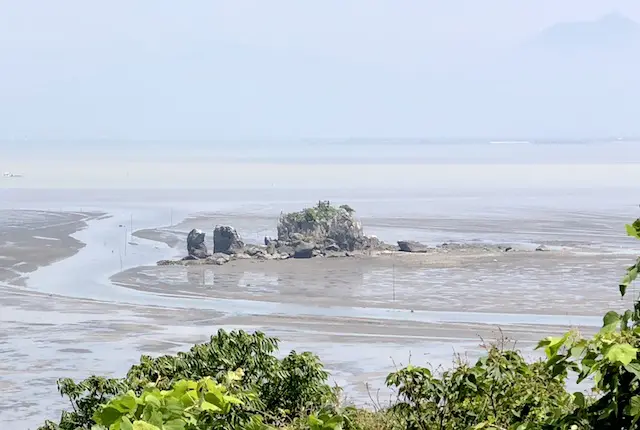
column 196, row 248
column 226, row 240
column 304, row 250
column 542, row 248
column 412, row 246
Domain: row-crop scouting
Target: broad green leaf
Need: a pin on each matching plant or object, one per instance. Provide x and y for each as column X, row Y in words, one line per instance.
column 141, row 425
column 174, row 425
column 578, row 399
column 632, row 274
column 190, row 398
column 206, row 406
column 107, row 416
column 335, row 422
column 314, row 421
column 232, row 400
column 621, row 353
column 125, row 424
column 634, row 409
column 174, row 406
column 215, row 398
column 631, row 231
column 610, row 317
column 633, row 368
column 126, row 403
column 553, row 344
column 155, row 419
column 152, row 400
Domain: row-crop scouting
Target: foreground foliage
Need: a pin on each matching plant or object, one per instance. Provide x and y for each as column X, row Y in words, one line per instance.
column 235, row 382
column 273, row 389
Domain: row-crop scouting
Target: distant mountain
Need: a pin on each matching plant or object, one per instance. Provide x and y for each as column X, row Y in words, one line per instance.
column 571, row 79
column 612, row 32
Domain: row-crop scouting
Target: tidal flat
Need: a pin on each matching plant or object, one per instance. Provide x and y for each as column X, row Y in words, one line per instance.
column 82, row 294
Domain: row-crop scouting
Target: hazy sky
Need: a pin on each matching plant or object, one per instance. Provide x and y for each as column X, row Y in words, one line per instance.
column 150, row 69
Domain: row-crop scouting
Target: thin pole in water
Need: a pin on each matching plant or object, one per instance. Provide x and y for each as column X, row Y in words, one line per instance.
column 125, row 241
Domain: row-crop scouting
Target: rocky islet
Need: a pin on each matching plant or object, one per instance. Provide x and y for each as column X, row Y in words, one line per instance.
column 324, row 230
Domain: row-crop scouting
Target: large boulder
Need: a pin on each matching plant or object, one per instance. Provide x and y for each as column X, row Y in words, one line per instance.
column 412, row 246
column 325, row 225
column 226, row 240
column 196, row 248
column 304, row 250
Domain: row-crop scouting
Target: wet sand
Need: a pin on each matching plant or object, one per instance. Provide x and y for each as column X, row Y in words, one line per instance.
column 32, row 239
column 97, row 310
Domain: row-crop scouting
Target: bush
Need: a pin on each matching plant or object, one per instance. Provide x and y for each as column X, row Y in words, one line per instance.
column 276, row 390
column 500, row 390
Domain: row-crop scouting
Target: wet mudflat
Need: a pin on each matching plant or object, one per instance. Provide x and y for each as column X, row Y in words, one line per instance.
column 76, row 313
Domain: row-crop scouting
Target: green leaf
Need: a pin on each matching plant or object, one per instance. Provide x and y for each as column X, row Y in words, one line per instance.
column 632, row 274
column 623, row 289
column 631, row 231
column 152, row 400
column 231, row 399
column 553, row 344
column 174, row 425
column 611, row 317
column 126, row 403
column 107, row 416
column 141, row 425
column 206, row 406
column 578, row 399
column 125, row 424
column 621, row 353
column 634, row 409
column 633, row 368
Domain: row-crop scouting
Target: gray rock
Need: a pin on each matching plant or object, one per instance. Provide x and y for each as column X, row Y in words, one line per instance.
column 412, row 246
column 226, row 240
column 196, row 248
column 542, row 248
column 219, row 259
column 332, row 247
column 286, row 249
column 323, row 224
column 255, row 251
column 304, row 250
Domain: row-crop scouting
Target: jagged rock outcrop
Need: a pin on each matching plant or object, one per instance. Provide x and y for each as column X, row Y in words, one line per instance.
column 196, row 247
column 226, row 240
column 325, row 225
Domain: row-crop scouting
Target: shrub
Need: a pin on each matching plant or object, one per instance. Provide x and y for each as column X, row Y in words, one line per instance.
column 501, row 390
column 277, row 390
